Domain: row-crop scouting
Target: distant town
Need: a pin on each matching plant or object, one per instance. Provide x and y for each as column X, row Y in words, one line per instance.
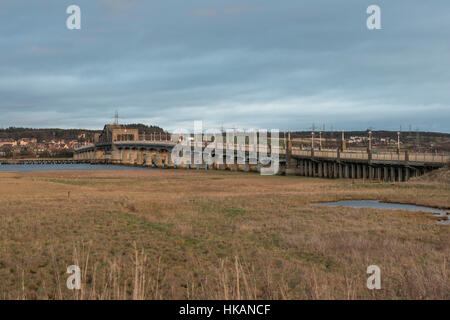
column 52, row 143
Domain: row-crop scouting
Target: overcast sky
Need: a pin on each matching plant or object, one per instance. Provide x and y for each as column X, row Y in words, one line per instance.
column 252, row 64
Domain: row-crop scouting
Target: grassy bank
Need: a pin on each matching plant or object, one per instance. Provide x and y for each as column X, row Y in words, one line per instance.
column 176, row 234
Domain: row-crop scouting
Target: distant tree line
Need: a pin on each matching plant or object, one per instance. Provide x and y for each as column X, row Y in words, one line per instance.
column 48, row 134
column 144, row 128
column 44, row 134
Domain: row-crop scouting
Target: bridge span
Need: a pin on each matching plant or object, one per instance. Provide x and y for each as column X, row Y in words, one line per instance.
column 370, row 164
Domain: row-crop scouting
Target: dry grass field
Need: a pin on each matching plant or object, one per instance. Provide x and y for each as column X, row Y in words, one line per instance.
column 179, row 234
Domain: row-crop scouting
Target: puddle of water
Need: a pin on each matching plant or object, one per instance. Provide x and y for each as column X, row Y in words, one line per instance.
column 444, row 222
column 375, row 204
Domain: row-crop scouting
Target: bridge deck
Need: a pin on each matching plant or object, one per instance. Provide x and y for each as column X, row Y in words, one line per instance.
column 331, row 155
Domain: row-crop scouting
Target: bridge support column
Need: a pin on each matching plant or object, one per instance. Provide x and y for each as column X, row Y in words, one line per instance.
column 146, row 161
column 98, row 156
column 158, row 159
column 169, row 159
column 379, row 174
column 139, row 157
column 400, row 174
column 385, row 173
column 123, row 156
column 246, row 168
column 407, row 174
column 115, row 155
column 310, row 169
column 320, row 171
column 346, row 171
column 234, row 166
column 130, row 157
column 300, row 169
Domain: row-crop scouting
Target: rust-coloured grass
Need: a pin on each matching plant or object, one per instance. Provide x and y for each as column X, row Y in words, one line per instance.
column 176, row 234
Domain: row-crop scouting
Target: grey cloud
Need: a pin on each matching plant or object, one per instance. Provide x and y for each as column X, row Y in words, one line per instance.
column 245, row 63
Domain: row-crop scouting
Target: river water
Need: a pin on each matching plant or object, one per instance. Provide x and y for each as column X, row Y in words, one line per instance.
column 75, row 166
column 375, row 204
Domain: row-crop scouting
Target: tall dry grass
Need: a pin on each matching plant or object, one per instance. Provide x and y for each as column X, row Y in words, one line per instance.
column 215, row 235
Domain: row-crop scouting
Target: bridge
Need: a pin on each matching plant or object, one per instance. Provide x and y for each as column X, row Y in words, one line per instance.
column 129, row 148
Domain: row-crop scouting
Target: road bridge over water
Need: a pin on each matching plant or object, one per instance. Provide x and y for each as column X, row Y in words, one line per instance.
column 336, row 163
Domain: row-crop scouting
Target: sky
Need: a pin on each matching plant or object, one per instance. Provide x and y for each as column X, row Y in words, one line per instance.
column 235, row 64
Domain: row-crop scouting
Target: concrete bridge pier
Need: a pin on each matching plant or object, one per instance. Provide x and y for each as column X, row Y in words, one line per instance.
column 330, row 170
column 152, row 158
column 170, row 163
column 335, row 170
column 310, row 169
column 147, row 158
column 128, row 156
column 134, row 159
column 379, row 177
column 131, row 157
column 98, row 156
column 115, row 156
column 123, row 156
column 158, row 159
column 299, row 168
column 139, row 157
column 358, row 171
column 234, row 166
column 392, row 175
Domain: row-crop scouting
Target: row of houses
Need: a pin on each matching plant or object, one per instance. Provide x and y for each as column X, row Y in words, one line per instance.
column 31, row 147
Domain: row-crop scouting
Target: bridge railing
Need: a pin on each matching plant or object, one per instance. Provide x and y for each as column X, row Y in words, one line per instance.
column 429, row 157
column 389, row 156
column 380, row 156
